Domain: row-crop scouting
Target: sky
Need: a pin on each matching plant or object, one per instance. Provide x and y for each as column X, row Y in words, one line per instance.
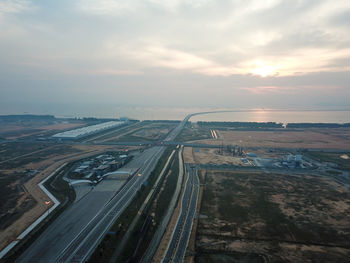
column 62, row 57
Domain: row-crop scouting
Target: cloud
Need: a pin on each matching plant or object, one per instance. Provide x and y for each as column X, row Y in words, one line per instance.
column 114, row 72
column 270, row 47
column 266, row 89
column 298, row 62
column 119, row 7
column 158, row 56
column 289, row 89
column 14, row 6
column 104, row 7
column 340, row 19
column 265, row 38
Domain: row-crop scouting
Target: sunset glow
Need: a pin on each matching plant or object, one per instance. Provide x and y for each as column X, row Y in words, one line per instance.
column 140, row 52
column 263, row 70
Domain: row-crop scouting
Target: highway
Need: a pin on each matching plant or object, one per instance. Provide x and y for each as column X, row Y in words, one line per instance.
column 147, row 257
column 182, row 231
column 74, row 235
column 71, row 233
column 187, row 228
column 142, row 209
column 88, row 239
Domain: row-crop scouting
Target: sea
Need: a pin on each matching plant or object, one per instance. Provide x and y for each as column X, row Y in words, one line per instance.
column 227, row 114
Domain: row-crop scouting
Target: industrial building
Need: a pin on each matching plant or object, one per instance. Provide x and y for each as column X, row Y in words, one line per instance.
column 86, row 131
column 292, row 161
column 96, row 167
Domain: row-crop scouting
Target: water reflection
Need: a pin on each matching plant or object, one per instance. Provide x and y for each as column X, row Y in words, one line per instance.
column 278, row 116
column 247, row 115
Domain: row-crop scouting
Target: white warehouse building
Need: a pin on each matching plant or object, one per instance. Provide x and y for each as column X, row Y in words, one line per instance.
column 86, row 131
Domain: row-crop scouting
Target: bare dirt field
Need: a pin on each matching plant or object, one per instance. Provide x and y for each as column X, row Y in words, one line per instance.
column 151, row 131
column 193, row 131
column 143, row 131
column 285, row 218
column 210, row 156
column 331, row 138
column 14, row 131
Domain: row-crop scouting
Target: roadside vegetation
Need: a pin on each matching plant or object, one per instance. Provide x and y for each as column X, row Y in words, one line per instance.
column 147, row 224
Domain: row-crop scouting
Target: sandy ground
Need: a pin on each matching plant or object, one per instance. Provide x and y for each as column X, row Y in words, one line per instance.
column 308, row 138
column 45, row 167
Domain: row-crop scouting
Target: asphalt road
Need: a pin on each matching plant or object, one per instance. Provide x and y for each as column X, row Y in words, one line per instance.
column 147, row 257
column 181, row 234
column 84, row 244
column 74, row 235
column 72, row 230
column 191, row 212
column 179, row 224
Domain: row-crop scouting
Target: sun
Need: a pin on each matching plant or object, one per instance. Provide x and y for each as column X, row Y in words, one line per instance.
column 263, row 69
